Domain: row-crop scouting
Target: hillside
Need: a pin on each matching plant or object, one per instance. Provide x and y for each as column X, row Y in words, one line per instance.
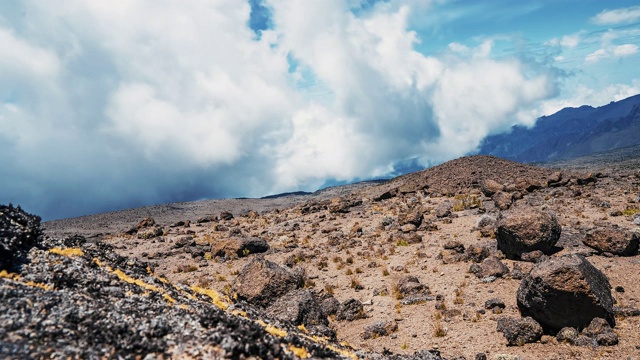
column 569, row 133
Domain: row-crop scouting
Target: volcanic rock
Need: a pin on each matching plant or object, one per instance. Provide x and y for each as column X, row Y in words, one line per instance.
column 526, row 229
column 614, row 240
column 379, row 328
column 490, row 187
column 240, row 247
column 503, row 200
column 298, row 307
column 519, row 331
column 566, row 292
column 261, row 282
column 350, row 310
column 19, row 232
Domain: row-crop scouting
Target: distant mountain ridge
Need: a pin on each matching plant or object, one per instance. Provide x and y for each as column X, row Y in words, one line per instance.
column 570, row 133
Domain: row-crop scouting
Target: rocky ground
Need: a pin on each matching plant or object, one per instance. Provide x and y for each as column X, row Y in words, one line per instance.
column 476, row 258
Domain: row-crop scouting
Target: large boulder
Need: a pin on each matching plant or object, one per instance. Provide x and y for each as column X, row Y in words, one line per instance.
column 614, row 240
column 19, row 232
column 261, row 282
column 298, row 307
column 239, row 246
column 566, row 292
column 524, row 230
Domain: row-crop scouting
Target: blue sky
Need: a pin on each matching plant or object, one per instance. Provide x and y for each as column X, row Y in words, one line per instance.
column 109, row 105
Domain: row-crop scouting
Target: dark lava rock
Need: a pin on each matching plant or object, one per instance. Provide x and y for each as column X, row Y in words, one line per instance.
column 144, row 223
column 567, row 334
column 87, row 302
column 477, row 253
column 494, row 303
column 526, row 229
column 532, row 256
column 412, row 291
column 503, row 200
column 261, row 282
column 614, row 240
column 600, row 330
column 239, row 247
column 519, row 331
column 566, row 292
column 298, row 307
column 490, row 187
column 350, row 310
column 19, row 232
column 492, row 266
column 379, row 328
column 329, row 305
column 226, row 215
column 411, row 217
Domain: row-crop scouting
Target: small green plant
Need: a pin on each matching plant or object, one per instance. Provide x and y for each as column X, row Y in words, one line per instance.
column 348, row 272
column 404, row 345
column 349, row 260
column 308, row 283
column 221, row 277
column 630, row 211
column 358, row 270
column 245, row 252
column 385, row 272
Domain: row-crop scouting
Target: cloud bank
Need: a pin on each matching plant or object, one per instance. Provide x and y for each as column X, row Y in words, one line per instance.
column 109, row 105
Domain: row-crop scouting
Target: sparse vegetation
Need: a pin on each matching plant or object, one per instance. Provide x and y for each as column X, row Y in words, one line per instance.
column 466, row 201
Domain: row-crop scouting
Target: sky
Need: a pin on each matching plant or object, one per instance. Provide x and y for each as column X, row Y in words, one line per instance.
column 106, row 105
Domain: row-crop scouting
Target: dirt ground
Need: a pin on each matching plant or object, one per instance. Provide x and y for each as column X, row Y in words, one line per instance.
column 360, row 253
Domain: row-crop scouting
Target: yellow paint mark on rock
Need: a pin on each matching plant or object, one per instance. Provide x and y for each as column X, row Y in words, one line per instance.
column 69, row 252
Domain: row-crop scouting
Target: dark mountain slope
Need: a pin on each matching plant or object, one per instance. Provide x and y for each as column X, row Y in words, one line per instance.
column 569, row 133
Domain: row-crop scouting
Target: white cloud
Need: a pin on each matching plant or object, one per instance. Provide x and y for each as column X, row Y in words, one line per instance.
column 587, row 96
column 596, row 55
column 617, row 16
column 625, row 50
column 570, row 41
column 121, row 104
column 612, row 51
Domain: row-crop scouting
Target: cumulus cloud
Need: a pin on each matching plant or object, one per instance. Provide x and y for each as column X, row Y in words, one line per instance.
column 625, row 50
column 112, row 105
column 617, row 16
